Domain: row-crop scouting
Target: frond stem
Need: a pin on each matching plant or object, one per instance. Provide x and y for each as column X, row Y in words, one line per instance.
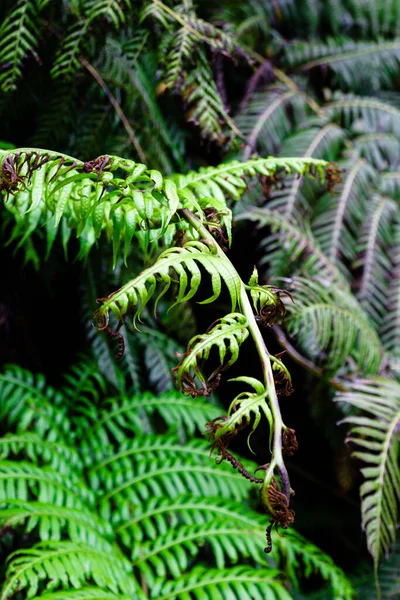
column 264, row 355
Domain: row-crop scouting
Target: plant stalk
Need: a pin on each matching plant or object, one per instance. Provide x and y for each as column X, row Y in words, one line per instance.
column 264, row 355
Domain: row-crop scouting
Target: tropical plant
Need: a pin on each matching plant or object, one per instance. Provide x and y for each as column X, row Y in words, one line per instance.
column 316, row 80
column 109, row 511
column 125, row 200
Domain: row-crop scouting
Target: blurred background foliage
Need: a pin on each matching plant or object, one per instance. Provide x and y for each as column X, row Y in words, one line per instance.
column 182, row 85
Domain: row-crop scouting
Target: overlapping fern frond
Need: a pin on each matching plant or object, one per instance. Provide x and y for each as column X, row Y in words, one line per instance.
column 142, row 486
column 376, row 438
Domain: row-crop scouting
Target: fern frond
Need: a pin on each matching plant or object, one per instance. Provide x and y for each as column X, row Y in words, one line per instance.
column 373, row 250
column 237, row 582
column 349, row 60
column 27, row 402
column 164, row 555
column 84, row 593
column 22, row 480
column 391, row 324
column 19, row 34
column 376, row 439
column 135, row 295
column 30, row 445
column 171, row 478
column 389, row 184
column 67, row 59
column 293, row 242
column 267, row 121
column 131, row 415
column 328, row 322
column 319, row 141
column 337, row 227
column 226, row 336
column 381, row 150
column 365, row 115
column 54, row 522
column 51, row 561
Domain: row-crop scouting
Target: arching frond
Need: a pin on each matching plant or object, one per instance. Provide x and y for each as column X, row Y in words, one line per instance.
column 376, row 437
column 341, row 214
column 238, row 582
column 381, row 150
column 293, row 243
column 19, row 34
column 391, row 322
column 365, row 115
column 373, row 250
column 319, row 141
column 225, row 336
column 53, row 522
column 268, row 119
column 358, row 66
column 327, row 322
column 51, row 562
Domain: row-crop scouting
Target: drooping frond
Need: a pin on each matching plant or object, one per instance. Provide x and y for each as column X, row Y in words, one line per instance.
column 292, row 243
column 328, row 322
column 69, row 564
column 114, row 12
column 391, row 323
column 238, row 582
column 318, row 141
column 373, row 251
column 358, row 66
column 224, row 336
column 381, row 150
column 267, row 119
column 135, row 295
column 121, row 198
column 342, row 213
column 376, row 437
column 389, row 184
column 365, row 115
column 19, row 34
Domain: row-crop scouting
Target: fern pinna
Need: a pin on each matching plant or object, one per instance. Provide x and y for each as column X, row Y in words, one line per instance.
column 108, row 511
column 127, row 201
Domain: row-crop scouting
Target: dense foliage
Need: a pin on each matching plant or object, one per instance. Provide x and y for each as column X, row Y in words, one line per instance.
column 180, row 86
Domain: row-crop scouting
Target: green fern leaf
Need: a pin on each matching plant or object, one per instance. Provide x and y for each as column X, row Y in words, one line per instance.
column 235, row 583
column 376, row 439
column 330, row 323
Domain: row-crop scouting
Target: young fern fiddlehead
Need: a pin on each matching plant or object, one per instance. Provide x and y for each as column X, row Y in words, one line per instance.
column 127, row 201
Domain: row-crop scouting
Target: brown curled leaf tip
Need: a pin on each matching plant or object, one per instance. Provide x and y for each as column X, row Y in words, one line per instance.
column 97, row 165
column 121, row 342
column 278, row 506
column 289, row 441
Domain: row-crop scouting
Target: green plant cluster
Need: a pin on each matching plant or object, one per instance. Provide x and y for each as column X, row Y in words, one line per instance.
column 174, row 87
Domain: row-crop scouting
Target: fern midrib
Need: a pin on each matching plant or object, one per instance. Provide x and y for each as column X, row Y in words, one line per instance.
column 333, row 250
column 368, row 103
column 196, row 506
column 55, row 553
column 17, row 42
column 166, row 471
column 369, row 254
column 381, row 479
column 170, row 447
column 263, row 117
column 375, row 49
column 191, row 536
column 221, row 579
column 317, row 140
